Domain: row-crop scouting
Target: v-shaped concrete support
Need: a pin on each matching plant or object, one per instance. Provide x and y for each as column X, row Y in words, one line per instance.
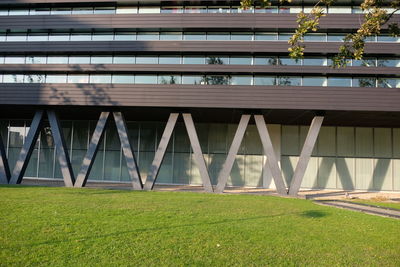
column 4, row 167
column 27, row 148
column 160, row 153
column 198, row 154
column 90, row 156
column 127, row 150
column 233, row 150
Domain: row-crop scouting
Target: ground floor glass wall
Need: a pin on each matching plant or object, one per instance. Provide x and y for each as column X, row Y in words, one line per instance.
column 343, row 158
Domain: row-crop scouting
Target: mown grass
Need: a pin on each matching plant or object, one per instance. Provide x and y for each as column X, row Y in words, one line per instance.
column 393, row 205
column 90, row 227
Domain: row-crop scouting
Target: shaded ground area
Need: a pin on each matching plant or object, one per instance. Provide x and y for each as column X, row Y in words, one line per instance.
column 57, row 226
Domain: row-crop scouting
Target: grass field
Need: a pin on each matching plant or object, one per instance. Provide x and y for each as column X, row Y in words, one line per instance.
column 90, row 227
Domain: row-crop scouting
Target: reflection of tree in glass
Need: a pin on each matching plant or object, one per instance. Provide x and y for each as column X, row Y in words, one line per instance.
column 215, row 60
column 216, row 80
column 274, row 61
column 366, row 82
column 170, row 80
column 285, row 81
column 386, row 83
column 383, row 63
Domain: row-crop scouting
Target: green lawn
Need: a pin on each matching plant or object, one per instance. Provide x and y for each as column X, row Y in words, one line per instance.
column 90, row 227
column 393, row 205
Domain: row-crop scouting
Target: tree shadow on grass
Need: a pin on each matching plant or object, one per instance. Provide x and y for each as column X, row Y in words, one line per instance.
column 314, row 214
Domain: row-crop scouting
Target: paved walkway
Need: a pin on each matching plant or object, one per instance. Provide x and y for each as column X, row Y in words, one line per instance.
column 370, row 209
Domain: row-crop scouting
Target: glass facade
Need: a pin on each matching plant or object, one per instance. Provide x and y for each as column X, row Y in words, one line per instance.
column 211, row 79
column 178, row 166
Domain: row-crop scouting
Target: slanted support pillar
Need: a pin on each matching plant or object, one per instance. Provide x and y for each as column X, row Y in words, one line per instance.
column 198, row 154
column 305, row 155
column 61, row 149
column 272, row 161
column 160, row 153
column 27, row 149
column 4, row 167
column 130, row 158
column 90, row 156
column 233, row 150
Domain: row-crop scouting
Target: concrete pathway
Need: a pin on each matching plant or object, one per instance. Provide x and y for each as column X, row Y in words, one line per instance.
column 370, row 209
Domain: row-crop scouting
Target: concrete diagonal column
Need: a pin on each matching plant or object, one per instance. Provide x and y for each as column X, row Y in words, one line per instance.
column 272, row 161
column 90, row 156
column 27, row 148
column 198, row 154
column 305, row 155
column 127, row 150
column 61, row 149
column 160, row 153
column 4, row 167
column 233, row 150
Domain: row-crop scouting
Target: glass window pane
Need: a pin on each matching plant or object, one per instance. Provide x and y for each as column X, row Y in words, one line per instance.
column 364, row 82
column 126, row 10
column 13, row 78
column 78, row 79
column 3, row 12
column 218, row 36
column 169, row 79
column 128, row 79
column 38, row 37
column 194, row 36
column 56, row 78
column 170, row 36
column 39, row 11
column 339, row 81
column 60, row 11
column 79, row 60
column 214, row 9
column 269, row 9
column 365, row 62
column 284, row 36
column 57, row 60
column 289, row 61
column 81, row 36
column 314, row 81
column 266, row 37
column 101, row 60
column 240, row 60
column 192, row 79
column 104, row 10
column 14, row 60
column 339, row 10
column 146, row 79
column 125, row 36
column 218, row 79
column 241, row 80
column 171, row 9
column 265, row 61
column 314, row 61
column 124, row 59
column 315, row 37
column 35, row 60
column 242, row 36
column 59, row 37
column 18, row 12
column 289, row 81
column 147, row 36
column 388, row 38
column 100, row 78
column 169, row 60
column 103, row 36
column 149, row 10
column 387, row 62
column 387, row 82
column 217, row 60
column 82, row 10
column 335, row 37
column 264, row 80
column 146, row 60
column 34, row 78
column 195, row 9
column 193, row 60
column 16, row 37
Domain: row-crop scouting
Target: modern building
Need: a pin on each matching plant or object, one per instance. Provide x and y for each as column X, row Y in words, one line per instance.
column 187, row 88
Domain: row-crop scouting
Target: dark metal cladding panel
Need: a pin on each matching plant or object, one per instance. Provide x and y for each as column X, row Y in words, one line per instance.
column 178, row 21
column 185, row 46
column 181, row 68
column 197, row 96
